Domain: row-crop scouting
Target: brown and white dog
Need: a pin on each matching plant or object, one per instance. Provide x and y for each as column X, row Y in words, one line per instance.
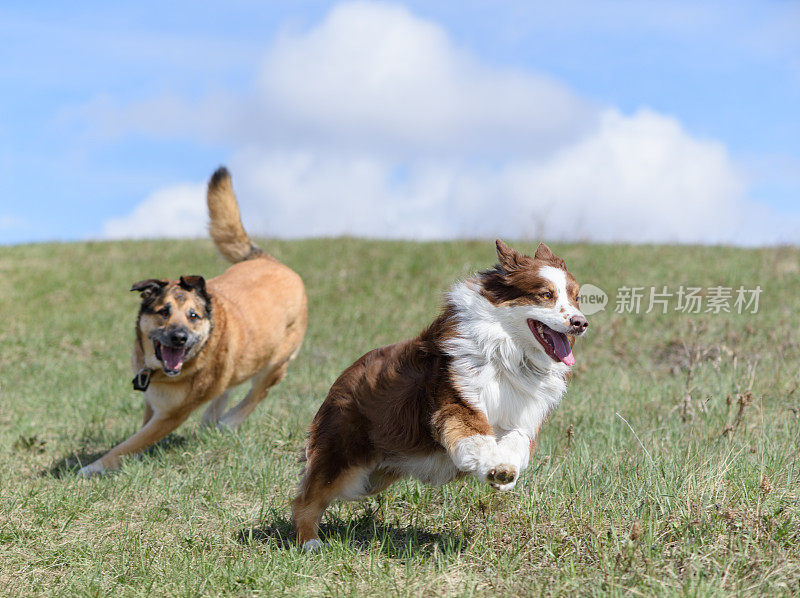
column 196, row 340
column 467, row 396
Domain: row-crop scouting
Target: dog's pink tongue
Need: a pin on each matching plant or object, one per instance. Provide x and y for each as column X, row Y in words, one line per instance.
column 172, row 357
column 561, row 347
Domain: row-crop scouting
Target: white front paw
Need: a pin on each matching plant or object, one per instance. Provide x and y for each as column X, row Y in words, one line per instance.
column 503, row 476
column 504, row 487
column 92, row 469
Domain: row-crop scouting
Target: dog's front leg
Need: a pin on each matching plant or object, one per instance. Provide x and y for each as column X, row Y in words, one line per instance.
column 471, row 444
column 148, row 413
column 157, row 427
column 513, row 448
column 481, row 455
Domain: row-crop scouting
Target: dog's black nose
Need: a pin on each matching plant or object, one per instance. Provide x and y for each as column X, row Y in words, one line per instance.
column 578, row 323
column 178, row 338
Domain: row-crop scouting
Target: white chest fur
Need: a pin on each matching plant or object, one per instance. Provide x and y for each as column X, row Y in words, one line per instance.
column 510, row 400
column 497, row 368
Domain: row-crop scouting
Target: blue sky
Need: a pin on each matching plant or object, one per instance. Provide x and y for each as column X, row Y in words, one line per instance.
column 112, row 115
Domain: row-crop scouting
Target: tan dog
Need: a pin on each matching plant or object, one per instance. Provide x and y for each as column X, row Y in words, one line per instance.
column 196, row 340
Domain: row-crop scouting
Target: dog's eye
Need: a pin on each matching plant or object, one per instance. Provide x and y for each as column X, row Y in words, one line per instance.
column 547, row 295
column 164, row 311
column 193, row 315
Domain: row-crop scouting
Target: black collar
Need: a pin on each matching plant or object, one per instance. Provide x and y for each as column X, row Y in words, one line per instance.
column 142, row 379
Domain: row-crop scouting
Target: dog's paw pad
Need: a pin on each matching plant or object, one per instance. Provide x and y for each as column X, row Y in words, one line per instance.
column 312, row 545
column 501, row 475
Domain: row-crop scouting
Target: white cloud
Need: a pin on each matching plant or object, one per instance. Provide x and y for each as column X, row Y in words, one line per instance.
column 373, row 76
column 634, row 178
column 370, row 78
column 374, row 123
column 175, row 211
column 637, row 178
column 8, row 222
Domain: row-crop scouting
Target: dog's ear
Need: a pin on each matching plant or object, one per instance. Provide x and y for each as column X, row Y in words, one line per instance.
column 198, row 285
column 544, row 253
column 150, row 287
column 193, row 282
column 509, row 259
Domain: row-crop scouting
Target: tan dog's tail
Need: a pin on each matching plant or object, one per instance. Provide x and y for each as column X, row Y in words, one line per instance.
column 226, row 224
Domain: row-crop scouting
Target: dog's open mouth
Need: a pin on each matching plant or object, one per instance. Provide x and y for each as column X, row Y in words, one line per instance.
column 555, row 344
column 171, row 358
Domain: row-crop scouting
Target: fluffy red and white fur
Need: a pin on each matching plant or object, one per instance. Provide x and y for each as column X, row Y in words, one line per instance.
column 467, row 396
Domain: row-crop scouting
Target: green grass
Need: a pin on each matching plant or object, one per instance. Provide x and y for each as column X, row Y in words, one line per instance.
column 698, row 496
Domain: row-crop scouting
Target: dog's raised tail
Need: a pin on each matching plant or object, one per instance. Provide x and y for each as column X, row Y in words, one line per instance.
column 225, row 224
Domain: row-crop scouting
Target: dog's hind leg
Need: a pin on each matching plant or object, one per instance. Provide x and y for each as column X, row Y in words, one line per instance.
column 216, row 408
column 318, row 489
column 262, row 382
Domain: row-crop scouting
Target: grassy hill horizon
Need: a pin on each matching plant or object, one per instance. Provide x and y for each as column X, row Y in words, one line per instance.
column 670, row 468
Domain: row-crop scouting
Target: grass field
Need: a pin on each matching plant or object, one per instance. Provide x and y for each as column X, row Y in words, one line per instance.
column 671, row 467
